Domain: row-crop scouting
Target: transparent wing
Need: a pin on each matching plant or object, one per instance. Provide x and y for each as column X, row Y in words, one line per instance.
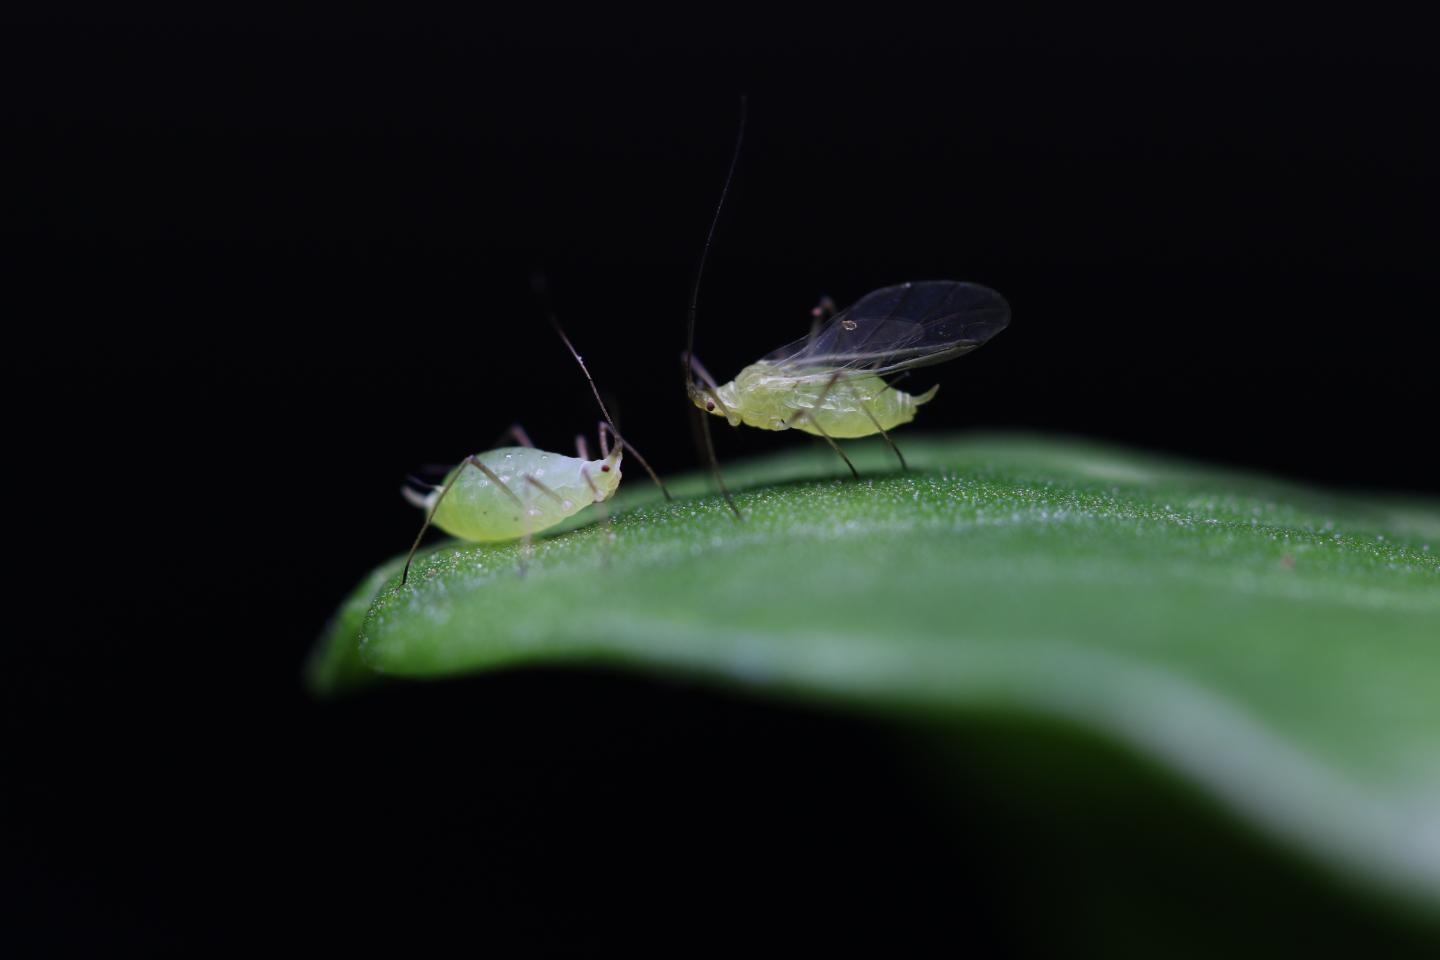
column 896, row 328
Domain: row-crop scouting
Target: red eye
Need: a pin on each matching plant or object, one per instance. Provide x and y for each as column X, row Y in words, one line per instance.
column 604, row 468
column 709, row 404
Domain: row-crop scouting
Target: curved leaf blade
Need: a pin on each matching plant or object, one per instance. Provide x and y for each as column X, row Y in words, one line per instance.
column 1274, row 645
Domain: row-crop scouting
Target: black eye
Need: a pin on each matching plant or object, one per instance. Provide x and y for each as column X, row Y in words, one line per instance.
column 709, row 404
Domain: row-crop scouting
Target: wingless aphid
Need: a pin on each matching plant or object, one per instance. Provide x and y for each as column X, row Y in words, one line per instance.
column 515, row 492
column 832, row 383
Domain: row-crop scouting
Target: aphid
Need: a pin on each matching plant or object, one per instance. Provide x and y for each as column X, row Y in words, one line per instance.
column 832, row 383
column 515, row 492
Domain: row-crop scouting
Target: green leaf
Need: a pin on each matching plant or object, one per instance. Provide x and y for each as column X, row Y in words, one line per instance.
column 1276, row 647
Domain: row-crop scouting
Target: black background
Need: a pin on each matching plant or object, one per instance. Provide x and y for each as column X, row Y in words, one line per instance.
column 260, row 268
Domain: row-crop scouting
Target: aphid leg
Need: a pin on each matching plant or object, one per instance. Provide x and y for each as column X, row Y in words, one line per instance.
column 810, row 412
column 705, row 450
column 888, row 442
column 518, row 434
column 705, row 440
column 604, row 512
column 543, row 488
column 715, row 464
column 819, row 402
column 584, row 453
column 890, row 385
column 470, row 461
column 836, row 447
column 833, row 445
column 527, row 538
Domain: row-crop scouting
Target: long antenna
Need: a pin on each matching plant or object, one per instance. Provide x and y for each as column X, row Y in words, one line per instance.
column 537, row 280
column 689, row 360
column 710, row 239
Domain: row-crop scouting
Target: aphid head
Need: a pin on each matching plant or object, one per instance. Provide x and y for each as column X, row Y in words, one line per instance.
column 713, row 401
column 702, row 398
column 605, row 474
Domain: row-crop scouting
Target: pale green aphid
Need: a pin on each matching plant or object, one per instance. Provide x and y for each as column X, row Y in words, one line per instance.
column 508, row 493
column 516, row 492
column 763, row 395
column 832, row 383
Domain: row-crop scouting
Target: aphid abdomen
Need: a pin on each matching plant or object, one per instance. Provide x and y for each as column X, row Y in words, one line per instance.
column 857, row 405
column 764, row 396
column 478, row 509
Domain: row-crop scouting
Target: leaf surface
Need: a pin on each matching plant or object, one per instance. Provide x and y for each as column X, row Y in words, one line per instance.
column 1275, row 646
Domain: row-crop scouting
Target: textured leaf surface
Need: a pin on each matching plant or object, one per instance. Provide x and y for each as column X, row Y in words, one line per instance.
column 1275, row 646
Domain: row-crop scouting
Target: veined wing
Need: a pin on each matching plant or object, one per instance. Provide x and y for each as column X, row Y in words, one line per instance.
column 896, row 328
